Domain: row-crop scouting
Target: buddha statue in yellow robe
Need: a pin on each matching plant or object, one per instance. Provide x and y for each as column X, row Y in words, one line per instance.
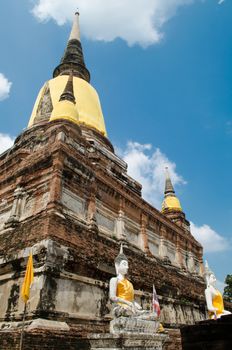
column 122, row 292
column 128, row 314
column 214, row 300
column 121, row 289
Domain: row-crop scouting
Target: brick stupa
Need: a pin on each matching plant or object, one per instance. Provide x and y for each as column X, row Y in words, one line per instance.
column 66, row 196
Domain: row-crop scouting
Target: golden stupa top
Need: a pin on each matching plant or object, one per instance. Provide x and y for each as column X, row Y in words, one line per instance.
column 87, row 106
column 170, row 202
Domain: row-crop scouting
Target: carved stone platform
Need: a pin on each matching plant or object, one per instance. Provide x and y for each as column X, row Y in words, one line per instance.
column 127, row 341
column 133, row 325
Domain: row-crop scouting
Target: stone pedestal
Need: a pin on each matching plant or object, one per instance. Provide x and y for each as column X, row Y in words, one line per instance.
column 127, row 341
column 133, row 325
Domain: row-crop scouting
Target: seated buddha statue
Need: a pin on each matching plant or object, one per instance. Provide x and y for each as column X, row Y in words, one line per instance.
column 122, row 292
column 213, row 297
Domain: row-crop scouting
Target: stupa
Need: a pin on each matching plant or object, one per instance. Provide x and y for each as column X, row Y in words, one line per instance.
column 67, row 197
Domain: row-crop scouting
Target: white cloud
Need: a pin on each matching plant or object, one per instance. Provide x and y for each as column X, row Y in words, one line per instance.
column 135, row 21
column 220, row 2
column 147, row 166
column 5, row 86
column 6, row 142
column 210, row 239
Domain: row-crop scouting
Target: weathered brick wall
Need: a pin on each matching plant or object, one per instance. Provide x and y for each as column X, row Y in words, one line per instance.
column 51, row 339
column 84, row 260
column 85, row 247
column 54, row 157
column 38, row 340
column 42, row 340
column 24, row 235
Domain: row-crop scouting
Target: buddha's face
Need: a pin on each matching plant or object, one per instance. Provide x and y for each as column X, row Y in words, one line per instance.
column 212, row 279
column 123, row 267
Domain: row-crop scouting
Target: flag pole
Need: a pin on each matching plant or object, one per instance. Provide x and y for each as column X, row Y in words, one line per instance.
column 22, row 332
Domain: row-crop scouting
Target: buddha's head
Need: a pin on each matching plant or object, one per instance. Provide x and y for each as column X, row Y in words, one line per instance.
column 209, row 276
column 212, row 279
column 121, row 263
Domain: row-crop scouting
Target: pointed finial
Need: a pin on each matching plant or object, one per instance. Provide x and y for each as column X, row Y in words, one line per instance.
column 75, row 32
column 169, row 189
column 73, row 58
column 121, row 256
column 68, row 93
column 208, row 271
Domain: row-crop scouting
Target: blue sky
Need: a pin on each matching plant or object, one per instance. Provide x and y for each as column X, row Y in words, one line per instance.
column 164, row 76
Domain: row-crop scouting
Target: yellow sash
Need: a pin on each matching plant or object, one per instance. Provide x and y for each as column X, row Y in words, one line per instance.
column 125, row 290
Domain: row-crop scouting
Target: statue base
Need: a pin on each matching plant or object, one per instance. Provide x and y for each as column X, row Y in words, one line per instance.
column 127, row 341
column 133, row 325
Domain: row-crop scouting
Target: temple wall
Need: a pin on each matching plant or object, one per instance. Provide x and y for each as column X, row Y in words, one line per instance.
column 74, row 207
column 4, row 216
column 154, row 243
column 112, row 225
column 22, row 206
column 79, row 299
column 11, row 303
column 57, row 290
column 108, row 222
column 132, row 231
column 34, row 204
column 73, row 203
column 121, row 223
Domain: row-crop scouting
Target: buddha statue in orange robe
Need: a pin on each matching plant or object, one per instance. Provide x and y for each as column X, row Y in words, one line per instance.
column 122, row 291
column 214, row 300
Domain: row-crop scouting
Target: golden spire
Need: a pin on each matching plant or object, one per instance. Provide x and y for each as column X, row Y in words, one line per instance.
column 170, row 202
column 65, row 107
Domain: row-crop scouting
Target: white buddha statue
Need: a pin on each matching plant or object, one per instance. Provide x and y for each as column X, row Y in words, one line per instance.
column 121, row 289
column 213, row 297
column 122, row 292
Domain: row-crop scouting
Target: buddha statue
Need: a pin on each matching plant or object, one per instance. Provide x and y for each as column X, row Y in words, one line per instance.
column 213, row 297
column 122, row 292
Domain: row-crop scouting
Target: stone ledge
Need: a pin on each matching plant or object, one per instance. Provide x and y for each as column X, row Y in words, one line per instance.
column 38, row 323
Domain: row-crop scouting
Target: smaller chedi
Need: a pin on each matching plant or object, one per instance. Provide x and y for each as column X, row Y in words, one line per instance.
column 213, row 296
column 128, row 314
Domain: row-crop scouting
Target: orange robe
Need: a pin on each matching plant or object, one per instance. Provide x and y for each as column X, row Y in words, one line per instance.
column 125, row 290
column 218, row 303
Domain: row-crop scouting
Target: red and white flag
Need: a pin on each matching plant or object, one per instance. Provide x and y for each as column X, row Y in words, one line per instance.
column 155, row 302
